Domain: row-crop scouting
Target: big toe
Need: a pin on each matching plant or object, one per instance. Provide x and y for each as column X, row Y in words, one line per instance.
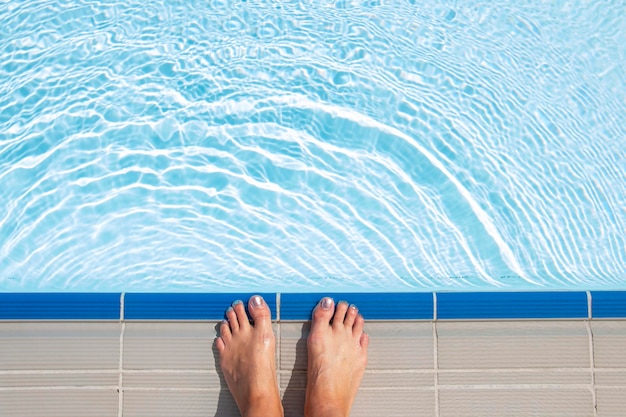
column 260, row 312
column 323, row 313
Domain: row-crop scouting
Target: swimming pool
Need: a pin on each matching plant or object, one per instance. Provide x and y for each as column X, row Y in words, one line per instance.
column 293, row 146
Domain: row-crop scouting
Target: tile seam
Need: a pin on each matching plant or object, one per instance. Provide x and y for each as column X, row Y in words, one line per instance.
column 120, row 382
column 513, row 370
column 436, row 365
column 435, row 356
column 57, row 371
column 592, row 360
column 581, row 387
column 60, row 372
column 375, row 371
column 59, row 388
column 278, row 339
column 173, row 389
column 577, row 387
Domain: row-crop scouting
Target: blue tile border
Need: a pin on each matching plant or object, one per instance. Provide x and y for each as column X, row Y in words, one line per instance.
column 373, row 306
column 185, row 306
column 298, row 306
column 512, row 305
column 608, row 304
column 60, row 306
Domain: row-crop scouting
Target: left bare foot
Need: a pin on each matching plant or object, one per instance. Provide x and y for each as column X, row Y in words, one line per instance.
column 247, row 358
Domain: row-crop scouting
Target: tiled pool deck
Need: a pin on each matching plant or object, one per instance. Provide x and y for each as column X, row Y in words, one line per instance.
column 443, row 354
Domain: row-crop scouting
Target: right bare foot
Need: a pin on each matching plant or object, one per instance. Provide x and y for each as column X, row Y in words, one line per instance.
column 337, row 359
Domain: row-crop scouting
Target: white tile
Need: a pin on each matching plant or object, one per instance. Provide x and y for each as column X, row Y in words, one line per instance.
column 511, row 344
column 516, row 377
column 293, row 349
column 400, row 345
column 59, row 403
column 610, row 377
column 164, row 403
column 542, row 402
column 59, row 345
column 203, row 380
column 611, row 402
column 609, row 340
column 166, row 345
column 396, row 402
column 60, row 380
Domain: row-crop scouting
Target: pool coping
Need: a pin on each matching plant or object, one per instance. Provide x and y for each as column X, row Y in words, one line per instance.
column 298, row 306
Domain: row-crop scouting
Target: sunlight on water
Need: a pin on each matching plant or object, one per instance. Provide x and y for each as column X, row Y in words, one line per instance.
column 288, row 146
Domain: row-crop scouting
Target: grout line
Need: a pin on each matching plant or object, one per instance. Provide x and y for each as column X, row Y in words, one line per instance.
column 436, row 366
column 57, row 371
column 581, row 387
column 436, row 355
column 512, row 370
column 516, row 371
column 59, row 388
column 594, row 397
column 121, row 306
column 278, row 340
column 395, row 389
column 120, row 389
column 592, row 362
column 175, row 389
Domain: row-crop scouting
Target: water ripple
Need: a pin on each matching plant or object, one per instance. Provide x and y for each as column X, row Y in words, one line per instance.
column 227, row 145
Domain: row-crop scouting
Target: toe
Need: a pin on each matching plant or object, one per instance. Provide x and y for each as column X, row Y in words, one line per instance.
column 351, row 316
column 359, row 324
column 340, row 313
column 232, row 319
column 242, row 316
column 364, row 341
column 322, row 313
column 225, row 333
column 219, row 343
column 260, row 312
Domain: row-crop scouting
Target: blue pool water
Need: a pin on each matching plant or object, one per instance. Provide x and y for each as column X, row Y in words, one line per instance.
column 299, row 146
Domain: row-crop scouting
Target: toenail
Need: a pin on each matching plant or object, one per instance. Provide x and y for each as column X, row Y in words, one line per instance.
column 343, row 302
column 326, row 303
column 237, row 302
column 352, row 306
column 257, row 301
column 229, row 309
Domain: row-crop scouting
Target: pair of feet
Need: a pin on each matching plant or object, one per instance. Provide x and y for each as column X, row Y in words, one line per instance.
column 337, row 355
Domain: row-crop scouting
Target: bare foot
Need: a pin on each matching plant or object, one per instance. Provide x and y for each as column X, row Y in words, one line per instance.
column 337, row 359
column 247, row 359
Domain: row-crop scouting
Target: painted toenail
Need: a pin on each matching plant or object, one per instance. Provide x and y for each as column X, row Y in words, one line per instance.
column 257, row 301
column 352, row 306
column 229, row 309
column 326, row 303
column 237, row 302
column 343, row 302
